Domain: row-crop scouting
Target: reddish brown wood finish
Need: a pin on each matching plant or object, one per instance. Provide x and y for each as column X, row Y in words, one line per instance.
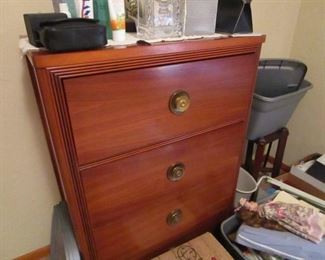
column 64, row 165
column 42, row 253
column 143, row 197
column 144, row 233
column 95, row 120
column 109, row 117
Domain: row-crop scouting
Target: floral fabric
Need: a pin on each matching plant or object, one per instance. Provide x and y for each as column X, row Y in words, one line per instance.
column 302, row 221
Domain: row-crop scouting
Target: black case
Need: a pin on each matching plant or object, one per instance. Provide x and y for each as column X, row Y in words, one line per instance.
column 72, row 34
column 234, row 16
column 33, row 25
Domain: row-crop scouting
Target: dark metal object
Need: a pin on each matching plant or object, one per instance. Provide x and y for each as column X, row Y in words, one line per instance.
column 176, row 172
column 174, row 217
column 234, row 16
column 179, row 102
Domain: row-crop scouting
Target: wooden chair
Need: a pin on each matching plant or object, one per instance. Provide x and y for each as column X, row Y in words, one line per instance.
column 259, row 163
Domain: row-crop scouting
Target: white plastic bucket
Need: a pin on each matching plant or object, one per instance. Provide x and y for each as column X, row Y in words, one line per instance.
column 246, row 185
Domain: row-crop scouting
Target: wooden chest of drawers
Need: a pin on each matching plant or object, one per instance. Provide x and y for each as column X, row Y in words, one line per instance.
column 146, row 141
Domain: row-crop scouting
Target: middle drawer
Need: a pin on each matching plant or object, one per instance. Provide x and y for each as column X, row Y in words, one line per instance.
column 118, row 188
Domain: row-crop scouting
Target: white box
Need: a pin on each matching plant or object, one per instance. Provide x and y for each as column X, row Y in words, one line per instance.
column 299, row 171
column 200, row 17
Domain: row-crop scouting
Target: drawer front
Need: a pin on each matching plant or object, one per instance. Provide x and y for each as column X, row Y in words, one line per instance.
column 128, row 200
column 117, row 112
column 145, row 233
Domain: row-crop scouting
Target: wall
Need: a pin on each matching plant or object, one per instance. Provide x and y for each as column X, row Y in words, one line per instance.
column 27, row 185
column 297, row 31
column 307, row 125
column 28, row 188
column 277, row 19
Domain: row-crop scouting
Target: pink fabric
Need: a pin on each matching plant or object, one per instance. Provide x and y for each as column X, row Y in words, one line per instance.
column 302, row 221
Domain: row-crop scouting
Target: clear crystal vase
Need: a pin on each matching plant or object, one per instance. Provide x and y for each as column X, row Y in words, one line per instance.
column 160, row 18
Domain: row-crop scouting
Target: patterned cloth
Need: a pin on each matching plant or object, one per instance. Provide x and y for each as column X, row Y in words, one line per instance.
column 302, row 221
column 284, row 244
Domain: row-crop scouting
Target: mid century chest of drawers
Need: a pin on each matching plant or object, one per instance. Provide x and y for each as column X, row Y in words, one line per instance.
column 146, row 141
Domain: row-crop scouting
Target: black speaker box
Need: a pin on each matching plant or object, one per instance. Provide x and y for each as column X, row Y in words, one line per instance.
column 73, row 34
column 33, row 25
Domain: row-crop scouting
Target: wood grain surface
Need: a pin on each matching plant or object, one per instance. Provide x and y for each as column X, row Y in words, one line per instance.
column 111, row 136
column 118, row 112
column 129, row 200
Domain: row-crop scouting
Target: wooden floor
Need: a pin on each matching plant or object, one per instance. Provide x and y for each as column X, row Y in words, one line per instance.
column 39, row 254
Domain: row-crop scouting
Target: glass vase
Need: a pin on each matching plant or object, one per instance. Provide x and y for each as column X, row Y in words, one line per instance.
column 160, row 18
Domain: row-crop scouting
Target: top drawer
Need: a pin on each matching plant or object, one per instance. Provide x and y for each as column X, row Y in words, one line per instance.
column 116, row 112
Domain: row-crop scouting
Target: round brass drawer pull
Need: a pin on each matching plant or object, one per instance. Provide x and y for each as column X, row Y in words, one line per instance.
column 176, row 172
column 179, row 102
column 174, row 217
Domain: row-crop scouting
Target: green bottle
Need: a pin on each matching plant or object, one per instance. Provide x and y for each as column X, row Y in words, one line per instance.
column 72, row 8
column 102, row 14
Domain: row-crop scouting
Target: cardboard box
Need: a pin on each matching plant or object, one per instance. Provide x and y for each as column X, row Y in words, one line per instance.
column 295, row 182
column 204, row 247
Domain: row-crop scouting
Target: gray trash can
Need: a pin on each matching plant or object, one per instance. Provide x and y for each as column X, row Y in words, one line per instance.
column 246, row 186
column 280, row 86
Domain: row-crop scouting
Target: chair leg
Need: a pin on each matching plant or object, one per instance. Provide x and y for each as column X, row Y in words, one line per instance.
column 259, row 157
column 280, row 152
column 267, row 154
column 249, row 155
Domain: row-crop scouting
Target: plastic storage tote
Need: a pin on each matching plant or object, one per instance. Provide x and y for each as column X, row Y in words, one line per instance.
column 228, row 226
column 280, row 86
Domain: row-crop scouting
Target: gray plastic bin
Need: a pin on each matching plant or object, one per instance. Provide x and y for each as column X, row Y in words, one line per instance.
column 63, row 243
column 227, row 227
column 279, row 88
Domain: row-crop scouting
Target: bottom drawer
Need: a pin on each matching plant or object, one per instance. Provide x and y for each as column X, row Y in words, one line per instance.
column 154, row 228
column 131, row 201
